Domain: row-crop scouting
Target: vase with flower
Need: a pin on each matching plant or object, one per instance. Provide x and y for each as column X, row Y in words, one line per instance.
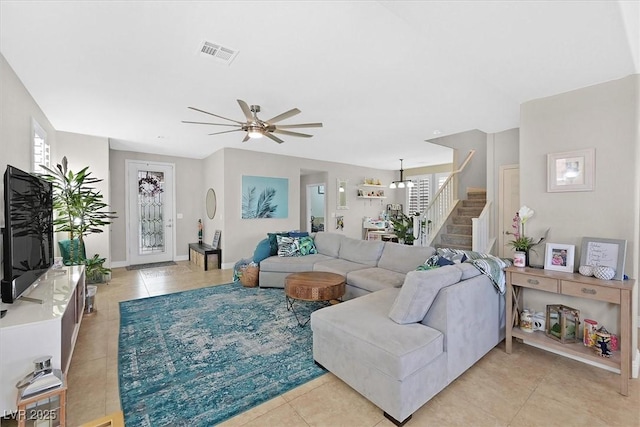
column 521, row 243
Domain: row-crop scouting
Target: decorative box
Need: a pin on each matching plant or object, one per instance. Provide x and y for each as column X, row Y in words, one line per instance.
column 562, row 323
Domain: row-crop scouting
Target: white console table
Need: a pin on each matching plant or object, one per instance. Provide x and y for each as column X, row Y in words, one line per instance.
column 31, row 330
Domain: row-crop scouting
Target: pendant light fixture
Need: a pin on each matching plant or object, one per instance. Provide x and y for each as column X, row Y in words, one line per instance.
column 403, row 182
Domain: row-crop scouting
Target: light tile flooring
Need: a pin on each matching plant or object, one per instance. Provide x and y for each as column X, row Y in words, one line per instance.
column 530, row 387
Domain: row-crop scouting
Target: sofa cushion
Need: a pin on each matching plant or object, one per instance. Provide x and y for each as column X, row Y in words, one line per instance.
column 375, row 278
column 361, row 251
column 273, row 240
column 288, row 246
column 361, row 328
column 262, row 251
column 291, row 264
column 418, row 292
column 468, row 270
column 328, row 243
column 338, row 266
column 403, row 258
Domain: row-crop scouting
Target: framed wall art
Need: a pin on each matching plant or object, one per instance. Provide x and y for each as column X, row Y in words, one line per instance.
column 559, row 257
column 604, row 252
column 571, row 171
column 265, row 197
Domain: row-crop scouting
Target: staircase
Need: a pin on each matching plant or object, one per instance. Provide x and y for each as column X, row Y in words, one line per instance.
column 457, row 233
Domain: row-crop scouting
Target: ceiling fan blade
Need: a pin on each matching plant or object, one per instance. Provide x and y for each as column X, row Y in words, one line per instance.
column 206, row 123
column 246, row 110
column 301, row 125
column 226, row 131
column 246, row 137
column 284, row 115
column 215, row 115
column 275, row 138
column 288, row 132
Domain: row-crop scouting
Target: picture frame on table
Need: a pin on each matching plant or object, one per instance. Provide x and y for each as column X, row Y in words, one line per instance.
column 597, row 251
column 571, row 171
column 216, row 239
column 559, row 257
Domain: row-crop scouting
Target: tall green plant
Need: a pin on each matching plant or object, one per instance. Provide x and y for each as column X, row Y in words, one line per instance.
column 403, row 228
column 79, row 206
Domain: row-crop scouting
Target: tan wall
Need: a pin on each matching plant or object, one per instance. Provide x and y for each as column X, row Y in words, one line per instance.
column 604, row 117
column 189, row 199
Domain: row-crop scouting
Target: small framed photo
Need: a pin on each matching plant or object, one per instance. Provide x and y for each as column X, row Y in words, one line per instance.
column 604, row 252
column 559, row 257
column 320, row 189
column 571, row 171
column 216, row 239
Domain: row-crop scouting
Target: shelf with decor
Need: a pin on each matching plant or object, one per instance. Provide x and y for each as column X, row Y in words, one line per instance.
column 618, row 292
column 371, row 191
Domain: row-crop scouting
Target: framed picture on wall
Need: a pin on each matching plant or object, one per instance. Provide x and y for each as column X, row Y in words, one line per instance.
column 216, row 239
column 559, row 257
column 571, row 171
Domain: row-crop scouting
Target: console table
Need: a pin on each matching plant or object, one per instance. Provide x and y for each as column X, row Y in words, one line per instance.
column 200, row 253
column 576, row 285
column 31, row 330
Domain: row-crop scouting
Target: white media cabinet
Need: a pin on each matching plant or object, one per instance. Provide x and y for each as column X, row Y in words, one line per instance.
column 31, row 330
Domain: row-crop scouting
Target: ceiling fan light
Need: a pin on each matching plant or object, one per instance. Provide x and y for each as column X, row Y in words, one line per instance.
column 254, row 133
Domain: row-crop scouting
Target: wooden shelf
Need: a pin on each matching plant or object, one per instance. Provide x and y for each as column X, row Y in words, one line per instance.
column 372, row 197
column 372, row 185
column 577, row 349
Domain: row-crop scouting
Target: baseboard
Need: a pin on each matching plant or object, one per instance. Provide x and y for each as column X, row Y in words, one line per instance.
column 119, row 264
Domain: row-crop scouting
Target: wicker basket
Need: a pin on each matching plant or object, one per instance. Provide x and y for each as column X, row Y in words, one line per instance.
column 249, row 275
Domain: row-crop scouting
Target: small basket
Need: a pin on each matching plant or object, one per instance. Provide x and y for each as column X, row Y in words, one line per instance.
column 249, row 275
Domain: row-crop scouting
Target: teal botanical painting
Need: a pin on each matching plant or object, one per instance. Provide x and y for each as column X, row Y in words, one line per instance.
column 265, row 197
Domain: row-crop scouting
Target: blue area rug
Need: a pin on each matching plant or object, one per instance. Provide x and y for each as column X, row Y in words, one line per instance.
column 197, row 358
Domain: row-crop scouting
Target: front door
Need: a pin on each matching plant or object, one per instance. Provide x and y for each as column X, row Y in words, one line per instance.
column 150, row 212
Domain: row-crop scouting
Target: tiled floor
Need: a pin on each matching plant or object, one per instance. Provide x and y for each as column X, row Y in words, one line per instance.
column 530, row 387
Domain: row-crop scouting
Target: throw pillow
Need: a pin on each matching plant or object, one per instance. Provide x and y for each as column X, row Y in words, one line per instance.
column 262, row 251
column 288, row 246
column 298, row 234
column 307, row 246
column 418, row 292
column 273, row 241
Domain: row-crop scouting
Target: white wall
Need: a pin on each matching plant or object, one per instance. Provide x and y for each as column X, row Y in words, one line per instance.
column 213, row 171
column 91, row 151
column 604, row 117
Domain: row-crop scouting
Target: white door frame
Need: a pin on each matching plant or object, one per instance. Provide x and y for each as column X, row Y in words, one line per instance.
column 503, row 222
column 324, row 206
column 127, row 192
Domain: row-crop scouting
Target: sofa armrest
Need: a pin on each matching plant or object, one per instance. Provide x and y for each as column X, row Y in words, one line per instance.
column 467, row 314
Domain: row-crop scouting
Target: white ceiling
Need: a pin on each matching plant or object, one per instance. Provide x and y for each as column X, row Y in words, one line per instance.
column 381, row 75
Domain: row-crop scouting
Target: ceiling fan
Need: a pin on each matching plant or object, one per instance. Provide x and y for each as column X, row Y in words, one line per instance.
column 257, row 128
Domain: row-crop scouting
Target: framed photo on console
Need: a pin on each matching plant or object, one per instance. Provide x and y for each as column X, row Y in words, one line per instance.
column 604, row 252
column 559, row 257
column 216, row 239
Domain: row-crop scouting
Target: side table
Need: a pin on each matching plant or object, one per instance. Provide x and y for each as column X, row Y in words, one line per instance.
column 203, row 255
column 44, row 409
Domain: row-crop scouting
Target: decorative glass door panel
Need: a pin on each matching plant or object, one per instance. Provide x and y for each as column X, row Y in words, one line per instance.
column 150, row 208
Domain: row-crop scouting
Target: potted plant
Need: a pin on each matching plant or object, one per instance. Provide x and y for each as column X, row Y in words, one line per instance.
column 96, row 272
column 403, row 228
column 79, row 207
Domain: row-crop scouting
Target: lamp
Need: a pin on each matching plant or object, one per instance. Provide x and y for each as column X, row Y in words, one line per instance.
column 403, row 182
column 254, row 131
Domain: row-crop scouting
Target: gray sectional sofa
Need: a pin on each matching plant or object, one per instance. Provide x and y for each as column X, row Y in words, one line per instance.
column 409, row 333
column 368, row 266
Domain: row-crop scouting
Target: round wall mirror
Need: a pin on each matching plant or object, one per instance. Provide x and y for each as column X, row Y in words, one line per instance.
column 211, row 203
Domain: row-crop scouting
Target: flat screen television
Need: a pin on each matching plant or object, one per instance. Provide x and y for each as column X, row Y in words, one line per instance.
column 28, row 235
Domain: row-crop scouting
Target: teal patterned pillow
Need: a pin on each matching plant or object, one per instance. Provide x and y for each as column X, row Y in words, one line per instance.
column 288, row 246
column 307, row 246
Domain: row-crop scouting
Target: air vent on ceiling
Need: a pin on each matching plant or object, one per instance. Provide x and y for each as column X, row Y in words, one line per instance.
column 220, row 53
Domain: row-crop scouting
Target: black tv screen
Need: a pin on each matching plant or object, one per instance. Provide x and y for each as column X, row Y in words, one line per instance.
column 28, row 234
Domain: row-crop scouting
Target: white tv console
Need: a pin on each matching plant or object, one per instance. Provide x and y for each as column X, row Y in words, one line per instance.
column 31, row 330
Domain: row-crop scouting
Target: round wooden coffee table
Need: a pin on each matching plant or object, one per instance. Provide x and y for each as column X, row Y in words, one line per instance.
column 312, row 286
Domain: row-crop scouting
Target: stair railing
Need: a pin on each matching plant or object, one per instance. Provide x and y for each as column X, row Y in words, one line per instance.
column 441, row 206
column 480, row 240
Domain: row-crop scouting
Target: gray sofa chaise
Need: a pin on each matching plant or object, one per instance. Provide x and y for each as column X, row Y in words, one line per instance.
column 449, row 318
column 368, row 266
